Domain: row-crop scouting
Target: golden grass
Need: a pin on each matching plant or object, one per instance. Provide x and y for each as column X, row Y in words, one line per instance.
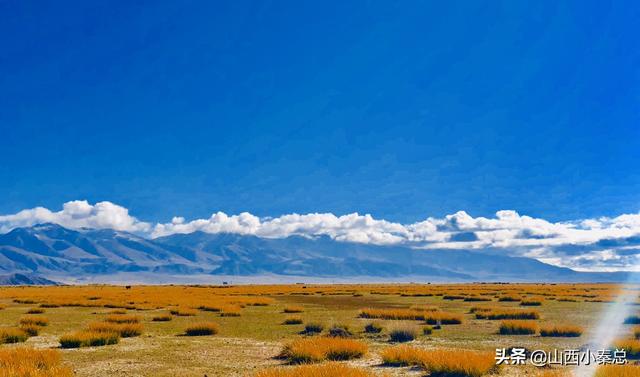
column 567, row 331
column 292, row 321
column 517, row 327
column 332, row 369
column 373, row 328
column 293, row 309
column 30, row 329
column 125, row 330
column 34, row 320
column 441, row 362
column 202, row 329
column 35, row 311
column 531, row 302
column 503, row 313
column 629, row 370
column 27, row 362
column 86, row 338
column 162, row 318
column 311, row 350
column 183, row 312
column 12, row 335
column 402, row 355
column 631, row 347
column 156, row 297
column 230, row 311
column 313, row 328
column 403, row 334
column 509, row 298
column 432, row 317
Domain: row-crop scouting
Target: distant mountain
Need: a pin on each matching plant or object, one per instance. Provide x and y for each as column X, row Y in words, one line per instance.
column 22, row 279
column 51, row 250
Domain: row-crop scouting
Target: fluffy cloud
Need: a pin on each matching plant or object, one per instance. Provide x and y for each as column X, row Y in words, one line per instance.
column 586, row 244
column 77, row 214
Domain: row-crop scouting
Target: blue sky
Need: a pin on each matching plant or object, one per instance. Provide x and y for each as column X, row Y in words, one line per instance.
column 399, row 109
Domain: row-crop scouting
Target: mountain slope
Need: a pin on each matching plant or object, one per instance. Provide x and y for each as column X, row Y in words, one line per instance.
column 51, row 250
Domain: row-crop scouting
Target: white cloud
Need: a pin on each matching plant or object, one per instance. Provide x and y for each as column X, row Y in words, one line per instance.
column 573, row 243
column 77, row 214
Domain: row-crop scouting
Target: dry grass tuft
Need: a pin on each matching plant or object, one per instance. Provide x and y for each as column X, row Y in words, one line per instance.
column 122, row 318
column 313, row 328
column 12, row 335
column 629, row 370
column 322, row 370
column 31, row 330
column 432, row 317
column 373, row 328
column 125, row 330
column 403, row 334
column 311, row 350
column 88, row 339
column 27, row 362
column 631, row 347
column 183, row 312
column 202, row 329
column 441, row 362
column 561, row 331
column 518, row 327
column 292, row 321
column 501, row 313
column 35, row 311
column 230, row 311
column 34, row 320
column 531, row 302
column 162, row 318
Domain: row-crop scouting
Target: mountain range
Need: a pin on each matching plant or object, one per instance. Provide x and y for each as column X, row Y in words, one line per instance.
column 50, row 251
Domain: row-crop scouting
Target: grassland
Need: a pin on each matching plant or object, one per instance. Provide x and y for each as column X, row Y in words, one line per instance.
column 248, row 330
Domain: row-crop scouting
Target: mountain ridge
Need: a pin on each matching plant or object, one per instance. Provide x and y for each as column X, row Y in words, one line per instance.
column 52, row 250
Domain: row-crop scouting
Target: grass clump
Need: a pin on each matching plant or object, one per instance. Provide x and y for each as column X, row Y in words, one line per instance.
column 332, row 369
column 631, row 347
column 427, row 330
column 561, row 331
column 531, row 302
column 34, row 320
column 318, row 349
column 340, row 331
column 518, row 328
column 498, row 313
column 441, row 362
column 12, row 335
column 373, row 328
column 28, row 362
column 403, row 334
column 35, row 311
column 87, row 338
column 293, row 309
column 292, row 321
column 162, row 318
column 509, row 298
column 202, row 329
column 313, row 328
column 230, row 311
column 443, row 318
column 125, row 330
column 183, row 312
column 30, row 329
column 122, row 318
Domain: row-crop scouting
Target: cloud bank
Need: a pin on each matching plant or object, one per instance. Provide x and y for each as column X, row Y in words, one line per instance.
column 605, row 243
